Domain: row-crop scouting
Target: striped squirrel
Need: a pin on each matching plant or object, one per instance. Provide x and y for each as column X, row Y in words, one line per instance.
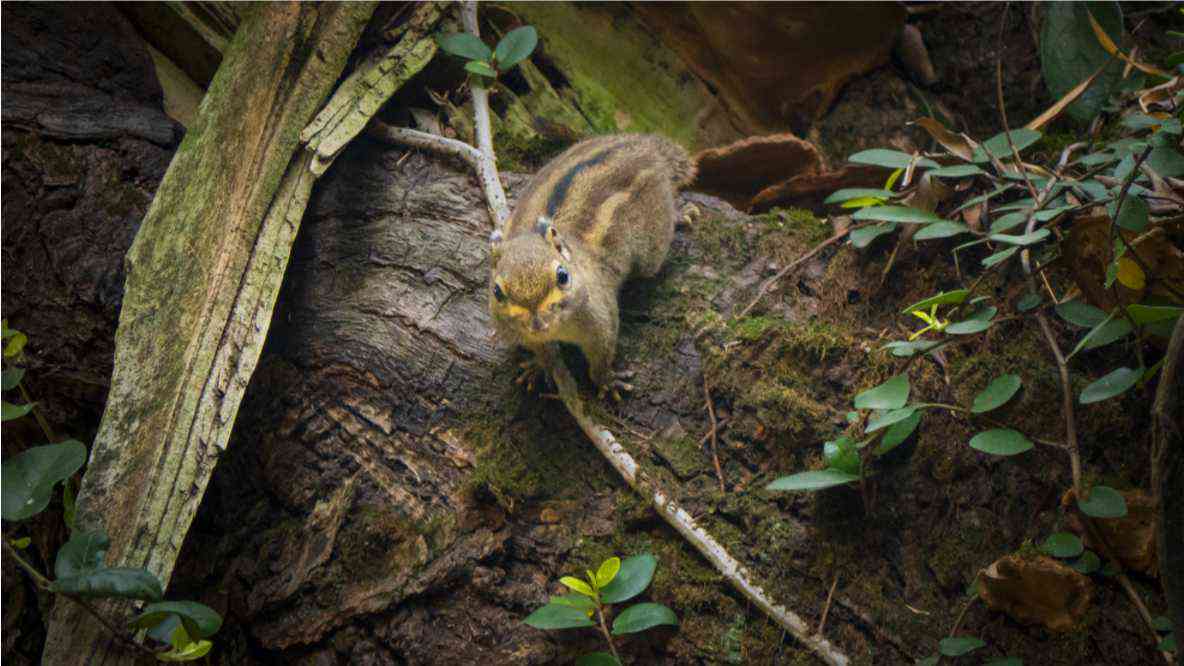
column 599, row 213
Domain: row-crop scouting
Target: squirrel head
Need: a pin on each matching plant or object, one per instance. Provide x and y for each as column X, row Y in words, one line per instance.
column 534, row 285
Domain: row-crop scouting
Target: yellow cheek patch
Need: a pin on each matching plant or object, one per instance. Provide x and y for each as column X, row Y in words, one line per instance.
column 517, row 311
column 552, row 298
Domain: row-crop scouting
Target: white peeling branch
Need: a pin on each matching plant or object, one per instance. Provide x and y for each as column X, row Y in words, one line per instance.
column 487, row 167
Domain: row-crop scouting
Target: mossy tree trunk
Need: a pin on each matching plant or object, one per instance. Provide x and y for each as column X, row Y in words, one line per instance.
column 203, row 274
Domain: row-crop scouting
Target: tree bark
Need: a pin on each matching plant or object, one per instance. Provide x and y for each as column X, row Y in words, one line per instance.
column 203, row 274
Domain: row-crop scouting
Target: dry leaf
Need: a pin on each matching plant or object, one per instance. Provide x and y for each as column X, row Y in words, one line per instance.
column 1112, row 49
column 957, row 144
column 1069, row 97
column 1160, row 95
column 1037, row 590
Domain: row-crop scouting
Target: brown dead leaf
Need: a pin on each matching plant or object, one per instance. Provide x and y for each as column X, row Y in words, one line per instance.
column 958, row 144
column 1037, row 590
column 1160, row 95
column 739, row 171
column 1131, row 538
column 1088, row 252
column 973, row 216
column 1112, row 49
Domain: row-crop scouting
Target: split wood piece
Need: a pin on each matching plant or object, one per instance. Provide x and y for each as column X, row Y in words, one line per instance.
column 203, row 275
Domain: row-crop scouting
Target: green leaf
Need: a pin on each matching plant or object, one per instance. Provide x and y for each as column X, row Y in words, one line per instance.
column 607, row 571
column 11, row 378
column 1164, row 160
column 1000, row 148
column 1008, row 221
column 1070, row 53
column 577, row 585
column 997, row 393
column 1087, row 563
column 191, row 652
column 841, row 454
column 999, row 257
column 897, row 433
column 811, row 481
column 9, row 411
column 857, row 193
column 941, row 230
column 1103, row 502
column 984, row 197
column 906, row 348
column 1110, row 330
column 558, row 616
column 1134, row 213
column 1026, row 239
column 641, row 617
column 21, row 543
column 199, row 620
column 16, row 343
column 957, row 171
column 634, row 576
column 597, row 659
column 515, row 47
column 575, row 601
column 464, row 45
column 956, row 646
column 944, row 298
column 1161, row 623
column 29, row 477
column 1000, row 442
column 889, row 418
column 1168, row 644
column 82, row 553
column 1005, row 661
column 969, row 326
column 1080, row 314
column 1062, row 545
column 892, row 394
column 122, row 582
column 903, row 214
column 1113, row 384
column 1147, row 314
column 893, row 159
column 864, row 236
column 481, row 67
column 1029, row 302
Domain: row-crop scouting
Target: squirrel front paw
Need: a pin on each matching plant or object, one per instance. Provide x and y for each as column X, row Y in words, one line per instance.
column 531, row 374
column 615, row 384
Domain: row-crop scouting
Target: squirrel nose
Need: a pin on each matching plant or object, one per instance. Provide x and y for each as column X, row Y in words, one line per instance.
column 537, row 324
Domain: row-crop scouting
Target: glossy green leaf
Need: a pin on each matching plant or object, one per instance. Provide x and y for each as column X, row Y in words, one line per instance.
column 1001, row 149
column 1110, row 330
column 11, row 378
column 841, row 454
column 16, row 344
column 1113, row 384
column 597, row 659
column 893, row 159
column 1103, row 502
column 191, row 652
column 464, row 45
column 1070, row 53
column 1134, row 214
column 811, row 481
column 122, row 582
column 944, row 298
column 969, row 326
column 1000, row 442
column 907, row 348
column 515, row 47
column 901, row 214
column 1062, row 545
column 481, row 67
column 642, row 616
column 892, row 394
column 1025, row 239
column 997, row 393
column 82, row 553
column 1087, row 564
column 199, row 620
column 999, row 257
column 1147, row 314
column 577, row 585
column 607, row 571
column 1028, row 302
column 21, row 543
column 897, row 433
column 941, row 230
column 956, row 646
column 575, row 601
column 1165, row 161
column 9, row 411
column 891, row 417
column 863, row 236
column 634, row 576
column 1008, row 222
column 857, row 193
column 1080, row 313
column 957, row 171
column 558, row 616
column 29, row 477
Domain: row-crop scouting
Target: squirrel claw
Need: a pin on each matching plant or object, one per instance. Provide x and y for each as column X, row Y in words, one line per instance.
column 528, row 375
column 617, row 385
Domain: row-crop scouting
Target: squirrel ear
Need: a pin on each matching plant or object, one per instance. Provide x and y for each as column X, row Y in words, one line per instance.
column 495, row 245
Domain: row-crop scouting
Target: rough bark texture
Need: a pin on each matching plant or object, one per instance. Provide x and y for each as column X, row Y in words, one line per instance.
column 203, row 274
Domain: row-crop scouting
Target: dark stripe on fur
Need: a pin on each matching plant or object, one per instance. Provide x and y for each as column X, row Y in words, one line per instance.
column 560, row 191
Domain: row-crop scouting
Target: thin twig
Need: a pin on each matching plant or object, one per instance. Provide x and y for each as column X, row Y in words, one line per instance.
column 1019, row 164
column 826, row 609
column 714, row 446
column 607, row 636
column 49, row 436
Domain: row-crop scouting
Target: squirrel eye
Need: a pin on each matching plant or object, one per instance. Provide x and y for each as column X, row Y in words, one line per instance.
column 561, row 276
column 498, row 293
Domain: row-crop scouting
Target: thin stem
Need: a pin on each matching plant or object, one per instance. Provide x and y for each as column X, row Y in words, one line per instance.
column 714, row 426
column 604, row 630
column 37, row 415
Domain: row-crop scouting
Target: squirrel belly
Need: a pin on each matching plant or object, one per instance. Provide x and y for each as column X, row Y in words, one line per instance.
column 599, row 213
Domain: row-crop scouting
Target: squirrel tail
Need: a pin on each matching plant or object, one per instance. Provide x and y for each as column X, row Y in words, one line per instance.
column 682, row 169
